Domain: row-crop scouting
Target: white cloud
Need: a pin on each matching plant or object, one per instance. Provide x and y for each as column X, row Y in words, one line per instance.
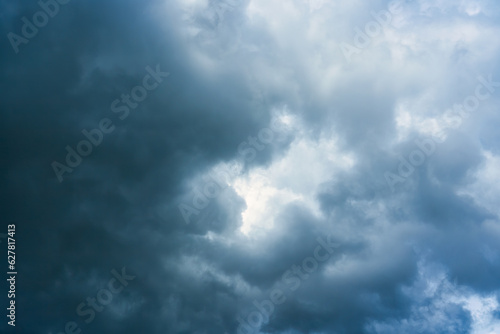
column 437, row 304
column 485, row 188
column 295, row 176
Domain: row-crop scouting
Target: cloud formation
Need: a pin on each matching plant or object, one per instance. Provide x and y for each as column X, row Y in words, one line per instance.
column 262, row 89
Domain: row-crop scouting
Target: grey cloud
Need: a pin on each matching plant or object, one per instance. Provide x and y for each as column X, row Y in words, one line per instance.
column 230, row 69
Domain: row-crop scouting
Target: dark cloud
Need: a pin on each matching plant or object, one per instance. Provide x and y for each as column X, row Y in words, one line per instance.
column 421, row 258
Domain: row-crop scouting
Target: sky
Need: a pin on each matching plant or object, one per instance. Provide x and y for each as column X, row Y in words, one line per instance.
column 250, row 166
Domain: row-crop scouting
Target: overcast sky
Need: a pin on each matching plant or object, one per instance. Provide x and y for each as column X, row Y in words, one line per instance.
column 251, row 166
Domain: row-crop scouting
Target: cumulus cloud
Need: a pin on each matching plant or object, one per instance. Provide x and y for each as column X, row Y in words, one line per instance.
column 265, row 150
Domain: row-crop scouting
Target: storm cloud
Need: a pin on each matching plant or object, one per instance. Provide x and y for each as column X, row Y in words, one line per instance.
column 252, row 166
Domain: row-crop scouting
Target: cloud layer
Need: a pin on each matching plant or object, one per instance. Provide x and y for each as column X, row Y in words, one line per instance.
column 268, row 137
